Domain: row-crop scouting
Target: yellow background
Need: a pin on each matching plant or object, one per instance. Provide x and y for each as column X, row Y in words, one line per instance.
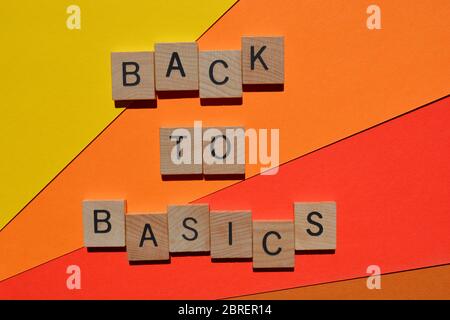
column 55, row 83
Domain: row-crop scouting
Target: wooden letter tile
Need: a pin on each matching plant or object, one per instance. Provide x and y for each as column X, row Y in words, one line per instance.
column 147, row 237
column 224, row 151
column 104, row 223
column 231, row 234
column 133, row 76
column 188, row 228
column 273, row 244
column 220, row 74
column 176, row 66
column 179, row 153
column 263, row 60
column 315, row 225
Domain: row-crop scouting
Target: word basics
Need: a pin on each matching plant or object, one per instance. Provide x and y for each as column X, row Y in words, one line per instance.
column 225, row 234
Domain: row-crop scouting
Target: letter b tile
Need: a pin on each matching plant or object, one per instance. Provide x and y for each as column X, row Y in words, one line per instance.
column 104, row 223
column 133, row 76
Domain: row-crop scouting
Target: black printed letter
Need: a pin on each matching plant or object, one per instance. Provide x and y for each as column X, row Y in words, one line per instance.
column 134, row 72
column 190, row 228
column 271, row 253
column 254, row 56
column 105, row 220
column 148, row 228
column 211, row 72
column 310, row 220
column 179, row 66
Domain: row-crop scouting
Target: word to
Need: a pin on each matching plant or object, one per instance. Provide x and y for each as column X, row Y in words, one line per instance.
column 216, row 151
column 180, row 66
column 225, row 234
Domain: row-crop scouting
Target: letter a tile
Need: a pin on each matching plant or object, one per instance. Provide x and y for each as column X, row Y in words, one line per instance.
column 147, row 237
column 176, row 66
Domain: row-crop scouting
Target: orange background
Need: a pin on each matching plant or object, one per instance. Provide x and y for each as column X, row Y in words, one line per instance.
column 428, row 284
